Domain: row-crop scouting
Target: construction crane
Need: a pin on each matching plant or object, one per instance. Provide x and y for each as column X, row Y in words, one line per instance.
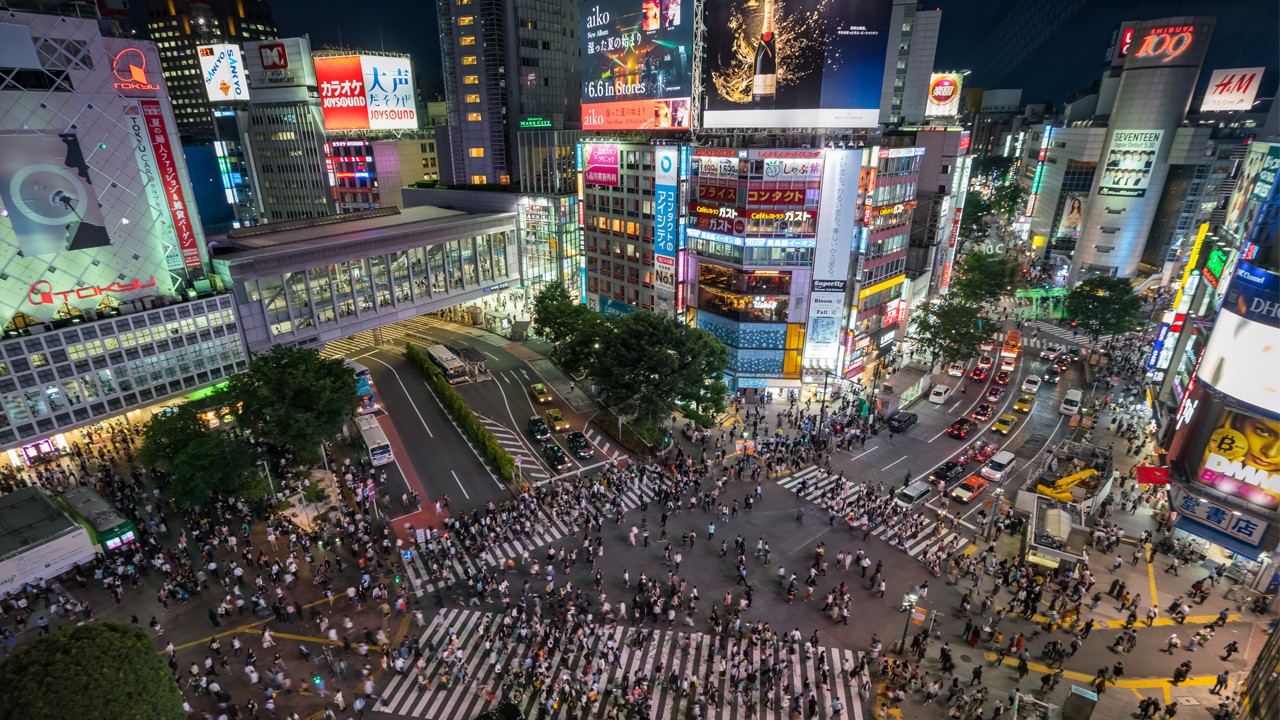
column 1061, row 489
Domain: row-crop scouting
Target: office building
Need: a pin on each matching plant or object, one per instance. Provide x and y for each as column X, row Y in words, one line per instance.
column 939, row 203
column 509, row 66
column 913, row 42
column 177, row 27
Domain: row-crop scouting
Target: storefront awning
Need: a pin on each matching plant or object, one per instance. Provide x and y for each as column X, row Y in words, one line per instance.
column 1151, row 475
column 1217, row 537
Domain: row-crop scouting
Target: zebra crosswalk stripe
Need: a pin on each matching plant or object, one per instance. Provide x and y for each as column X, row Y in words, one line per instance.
column 688, row 655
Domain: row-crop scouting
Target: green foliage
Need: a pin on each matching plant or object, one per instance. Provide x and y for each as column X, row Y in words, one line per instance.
column 462, row 414
column 553, row 316
column 984, row 277
column 654, row 362
column 994, row 166
column 973, row 220
column 1104, row 305
column 294, row 397
column 201, row 462
column 94, row 671
column 949, row 332
column 1007, row 198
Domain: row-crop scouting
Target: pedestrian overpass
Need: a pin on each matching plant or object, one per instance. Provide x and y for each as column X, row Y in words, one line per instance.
column 305, row 283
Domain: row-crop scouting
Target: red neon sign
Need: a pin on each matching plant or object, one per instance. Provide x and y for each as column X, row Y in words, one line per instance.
column 1166, row 43
column 41, row 292
column 130, row 68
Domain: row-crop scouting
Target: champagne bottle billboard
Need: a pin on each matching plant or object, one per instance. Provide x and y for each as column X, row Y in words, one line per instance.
column 637, row 60
column 794, row 63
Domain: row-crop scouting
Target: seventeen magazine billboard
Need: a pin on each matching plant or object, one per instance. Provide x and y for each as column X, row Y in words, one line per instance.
column 367, row 92
column 637, row 60
column 794, row 63
column 1127, row 171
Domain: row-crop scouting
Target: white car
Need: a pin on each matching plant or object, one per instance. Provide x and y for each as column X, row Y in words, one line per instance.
column 1031, row 384
column 1051, row 352
column 1008, row 365
column 956, row 370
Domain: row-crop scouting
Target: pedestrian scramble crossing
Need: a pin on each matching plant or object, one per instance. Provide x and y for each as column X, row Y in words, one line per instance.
column 398, row 333
column 547, row 529
column 690, row 655
column 1052, row 333
column 601, row 441
column 818, row 482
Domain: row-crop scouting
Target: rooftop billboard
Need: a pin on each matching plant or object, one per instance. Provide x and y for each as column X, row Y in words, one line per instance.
column 222, row 69
column 637, row 60
column 367, row 92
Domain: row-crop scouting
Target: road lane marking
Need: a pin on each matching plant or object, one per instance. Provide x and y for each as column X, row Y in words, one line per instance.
column 412, row 404
column 895, row 462
column 455, row 479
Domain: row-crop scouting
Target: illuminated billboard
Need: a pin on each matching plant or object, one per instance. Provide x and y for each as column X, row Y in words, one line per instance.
column 601, row 167
column 794, row 63
column 1255, row 184
column 666, row 208
column 1072, row 217
column 837, row 220
column 280, row 70
column 1243, row 458
column 366, row 92
column 1245, row 341
column 944, row 95
column 637, row 64
column 1231, row 90
column 1127, row 170
column 223, row 71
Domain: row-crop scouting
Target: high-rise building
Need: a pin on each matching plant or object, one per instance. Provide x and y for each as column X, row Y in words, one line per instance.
column 178, row 27
column 509, row 66
column 913, row 42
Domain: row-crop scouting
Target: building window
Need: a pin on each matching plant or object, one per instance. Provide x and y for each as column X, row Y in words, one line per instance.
column 473, row 97
column 468, row 39
column 474, row 117
column 476, row 152
column 466, row 20
column 479, row 179
column 471, row 79
column 468, row 59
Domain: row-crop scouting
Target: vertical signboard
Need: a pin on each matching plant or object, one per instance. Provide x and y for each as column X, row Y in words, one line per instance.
column 837, row 215
column 153, row 117
column 637, row 64
column 665, row 231
column 223, row 72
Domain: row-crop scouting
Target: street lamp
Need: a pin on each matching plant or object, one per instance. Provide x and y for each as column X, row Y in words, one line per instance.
column 909, row 605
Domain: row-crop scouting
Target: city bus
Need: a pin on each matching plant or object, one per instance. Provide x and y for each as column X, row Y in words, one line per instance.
column 375, row 440
column 455, row 371
column 1012, row 344
column 109, row 529
column 364, row 388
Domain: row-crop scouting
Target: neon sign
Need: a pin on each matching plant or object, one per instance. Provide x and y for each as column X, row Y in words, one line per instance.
column 1166, row 43
column 130, row 68
column 41, row 292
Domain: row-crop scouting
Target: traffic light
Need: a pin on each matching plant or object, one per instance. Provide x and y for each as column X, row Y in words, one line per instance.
column 397, row 579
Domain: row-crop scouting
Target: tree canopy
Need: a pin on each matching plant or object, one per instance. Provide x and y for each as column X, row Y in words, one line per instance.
column 94, row 671
column 553, row 313
column 295, row 398
column 201, row 462
column 984, row 277
column 1104, row 305
column 653, row 363
column 949, row 332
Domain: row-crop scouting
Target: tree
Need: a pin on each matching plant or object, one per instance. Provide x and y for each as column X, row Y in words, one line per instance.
column 1007, row 198
column 202, row 463
column 949, row 332
column 591, row 333
column 553, row 313
column 993, row 166
column 973, row 220
column 653, row 363
column 94, row 671
column 984, row 277
column 294, row 397
column 1104, row 305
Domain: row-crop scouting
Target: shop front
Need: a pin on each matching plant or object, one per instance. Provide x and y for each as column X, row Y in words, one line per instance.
column 1204, row 530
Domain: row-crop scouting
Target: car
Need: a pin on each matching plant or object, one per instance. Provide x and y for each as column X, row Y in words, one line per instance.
column 1004, row 424
column 902, row 421
column 1008, row 364
column 983, row 412
column 578, row 445
column 960, row 429
column 1052, row 374
column 1073, row 352
column 1031, row 384
column 1051, row 352
column 948, row 471
column 555, row 457
column 956, row 370
column 939, row 394
column 505, row 710
column 556, row 421
column 538, row 428
column 913, row 494
column 978, row 374
column 1062, row 363
column 1024, row 404
column 994, row 394
column 540, row 393
column 985, row 362
column 1003, row 377
column 987, row 346
column 969, row 488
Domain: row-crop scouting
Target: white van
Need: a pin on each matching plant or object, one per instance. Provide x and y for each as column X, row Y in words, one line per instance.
column 998, row 466
column 939, row 394
column 1071, row 403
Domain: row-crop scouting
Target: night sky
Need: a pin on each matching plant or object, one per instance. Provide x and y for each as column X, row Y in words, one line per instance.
column 1068, row 58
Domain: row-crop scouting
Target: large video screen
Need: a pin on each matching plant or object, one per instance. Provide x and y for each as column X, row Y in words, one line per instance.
column 366, row 92
column 794, row 63
column 637, row 71
column 1243, row 458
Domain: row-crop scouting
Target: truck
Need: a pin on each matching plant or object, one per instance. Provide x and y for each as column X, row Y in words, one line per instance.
column 38, row 541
